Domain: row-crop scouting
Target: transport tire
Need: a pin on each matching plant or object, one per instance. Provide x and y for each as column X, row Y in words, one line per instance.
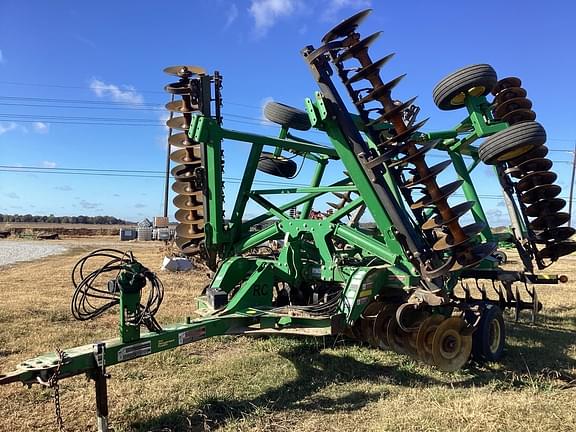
column 277, row 166
column 489, row 338
column 512, row 142
column 475, row 80
column 287, row 116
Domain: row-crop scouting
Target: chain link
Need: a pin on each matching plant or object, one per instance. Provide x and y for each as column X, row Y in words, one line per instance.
column 53, row 384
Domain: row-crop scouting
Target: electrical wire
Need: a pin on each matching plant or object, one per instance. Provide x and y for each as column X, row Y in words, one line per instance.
column 89, row 300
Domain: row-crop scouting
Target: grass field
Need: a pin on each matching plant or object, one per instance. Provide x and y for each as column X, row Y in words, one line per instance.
column 279, row 384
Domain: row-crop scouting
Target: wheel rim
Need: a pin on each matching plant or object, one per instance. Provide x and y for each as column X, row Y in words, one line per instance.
column 494, row 336
column 459, row 99
column 514, row 153
column 450, row 344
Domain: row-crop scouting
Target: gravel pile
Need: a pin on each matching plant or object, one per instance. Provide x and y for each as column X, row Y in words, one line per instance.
column 15, row 251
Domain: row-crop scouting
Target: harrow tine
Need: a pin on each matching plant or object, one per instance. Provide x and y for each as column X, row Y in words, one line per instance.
column 517, row 306
column 501, row 299
column 480, row 287
column 536, row 305
column 467, row 296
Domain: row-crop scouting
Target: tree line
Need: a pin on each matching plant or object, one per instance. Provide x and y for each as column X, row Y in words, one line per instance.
column 96, row 220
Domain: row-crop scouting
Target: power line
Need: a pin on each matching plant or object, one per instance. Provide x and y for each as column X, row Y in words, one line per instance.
column 157, row 107
column 119, row 173
column 26, row 84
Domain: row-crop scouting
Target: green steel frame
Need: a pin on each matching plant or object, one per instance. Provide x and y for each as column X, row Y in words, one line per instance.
column 369, row 265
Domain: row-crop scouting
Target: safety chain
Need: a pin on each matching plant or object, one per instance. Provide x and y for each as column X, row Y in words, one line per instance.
column 53, row 384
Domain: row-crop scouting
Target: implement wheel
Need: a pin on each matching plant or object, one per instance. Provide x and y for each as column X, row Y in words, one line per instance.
column 512, row 142
column 489, row 338
column 476, row 80
column 287, row 116
column 277, row 166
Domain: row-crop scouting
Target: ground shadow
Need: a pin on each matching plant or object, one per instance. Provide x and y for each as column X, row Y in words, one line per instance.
column 533, row 349
column 316, row 370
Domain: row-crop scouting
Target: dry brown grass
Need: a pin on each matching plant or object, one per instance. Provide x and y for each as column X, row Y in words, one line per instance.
column 278, row 384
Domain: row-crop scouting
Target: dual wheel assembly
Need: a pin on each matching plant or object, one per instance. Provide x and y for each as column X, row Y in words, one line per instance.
column 521, row 149
column 446, row 342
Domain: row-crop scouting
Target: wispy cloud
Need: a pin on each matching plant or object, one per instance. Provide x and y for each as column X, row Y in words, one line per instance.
column 267, row 12
column 41, row 127
column 140, row 205
column 86, row 205
column 333, row 7
column 1, row 57
column 123, row 93
column 231, row 15
column 49, row 164
column 64, row 188
column 12, row 195
column 84, row 40
column 7, row 127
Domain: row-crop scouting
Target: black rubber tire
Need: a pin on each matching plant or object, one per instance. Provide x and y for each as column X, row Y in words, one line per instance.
column 500, row 256
column 277, row 165
column 461, row 81
column 512, row 142
column 483, row 349
column 287, row 116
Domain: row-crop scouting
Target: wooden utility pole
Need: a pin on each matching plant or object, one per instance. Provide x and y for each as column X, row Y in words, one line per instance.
column 572, row 185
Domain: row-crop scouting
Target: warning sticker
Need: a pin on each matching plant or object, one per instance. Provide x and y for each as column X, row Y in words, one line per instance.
column 191, row 335
column 132, row 351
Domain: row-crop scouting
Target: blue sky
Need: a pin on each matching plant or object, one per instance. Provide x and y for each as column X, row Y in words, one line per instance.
column 83, row 62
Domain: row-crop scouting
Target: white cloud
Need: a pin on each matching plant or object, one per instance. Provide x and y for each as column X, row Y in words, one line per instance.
column 41, row 127
column 231, row 15
column 48, row 164
column 87, row 205
column 7, row 127
column 267, row 12
column 124, row 93
column 333, row 7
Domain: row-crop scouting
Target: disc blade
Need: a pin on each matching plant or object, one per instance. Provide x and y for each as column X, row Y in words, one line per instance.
column 545, row 207
column 378, row 92
column 450, row 348
column 509, row 93
column 555, row 234
column 194, row 217
column 473, row 255
column 540, row 192
column 181, row 140
column 183, row 187
column 558, row 250
column 458, row 210
column 550, row 221
column 356, row 48
column 180, row 106
column 190, row 155
column 445, row 192
column 536, row 178
column 346, row 27
column 184, row 70
column 505, row 83
column 511, row 105
column 432, row 172
column 184, row 172
column 190, row 231
column 189, row 202
column 180, row 122
column 369, row 70
column 448, row 241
